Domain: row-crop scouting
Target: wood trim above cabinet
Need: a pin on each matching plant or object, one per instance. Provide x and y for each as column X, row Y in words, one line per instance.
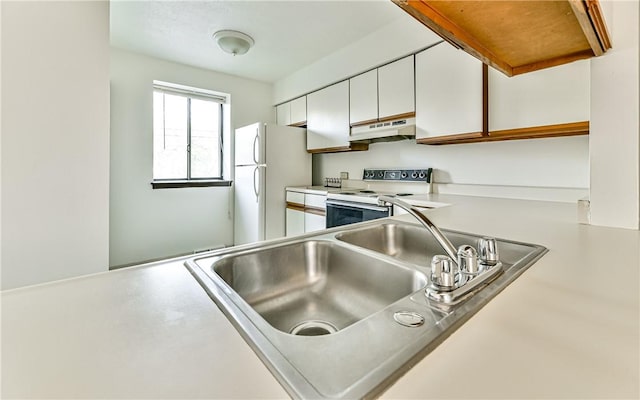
column 307, row 209
column 295, row 206
column 315, row 210
column 352, row 147
column 534, row 132
column 499, row 33
column 556, row 130
column 451, row 139
column 398, row 116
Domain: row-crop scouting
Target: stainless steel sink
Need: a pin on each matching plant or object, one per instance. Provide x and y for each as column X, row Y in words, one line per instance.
column 413, row 244
column 410, row 243
column 343, row 313
column 315, row 287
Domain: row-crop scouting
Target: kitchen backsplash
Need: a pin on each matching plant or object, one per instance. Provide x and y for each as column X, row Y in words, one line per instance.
column 551, row 169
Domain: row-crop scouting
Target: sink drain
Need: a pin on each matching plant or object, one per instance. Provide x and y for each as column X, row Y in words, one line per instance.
column 313, row 328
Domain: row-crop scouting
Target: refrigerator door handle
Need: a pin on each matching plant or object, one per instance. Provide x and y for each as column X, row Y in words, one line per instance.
column 256, row 186
column 255, row 147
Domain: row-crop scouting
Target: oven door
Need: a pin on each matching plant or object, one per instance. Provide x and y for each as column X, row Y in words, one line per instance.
column 345, row 212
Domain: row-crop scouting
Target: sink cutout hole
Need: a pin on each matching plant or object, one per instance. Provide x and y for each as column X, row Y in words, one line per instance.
column 313, row 328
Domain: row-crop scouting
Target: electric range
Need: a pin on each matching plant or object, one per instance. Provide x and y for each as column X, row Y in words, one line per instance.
column 359, row 205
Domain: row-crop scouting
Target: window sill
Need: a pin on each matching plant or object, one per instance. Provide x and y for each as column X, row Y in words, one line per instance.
column 174, row 184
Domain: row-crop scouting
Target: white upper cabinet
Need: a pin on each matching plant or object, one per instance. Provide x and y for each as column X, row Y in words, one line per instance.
column 363, row 98
column 293, row 112
column 551, row 96
column 298, row 111
column 328, row 117
column 448, row 93
column 283, row 114
column 396, row 88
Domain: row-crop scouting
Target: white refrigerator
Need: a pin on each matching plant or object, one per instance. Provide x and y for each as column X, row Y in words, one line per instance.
column 268, row 158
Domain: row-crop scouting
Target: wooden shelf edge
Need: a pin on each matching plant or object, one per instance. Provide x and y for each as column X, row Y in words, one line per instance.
column 452, row 33
column 398, row 116
column 567, row 129
column 451, row 138
column 587, row 13
column 353, row 147
column 535, row 132
column 295, row 206
column 552, row 62
column 595, row 13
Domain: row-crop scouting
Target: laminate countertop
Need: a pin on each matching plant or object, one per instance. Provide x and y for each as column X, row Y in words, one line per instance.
column 567, row 328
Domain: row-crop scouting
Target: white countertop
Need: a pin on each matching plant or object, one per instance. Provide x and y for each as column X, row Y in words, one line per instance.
column 559, row 331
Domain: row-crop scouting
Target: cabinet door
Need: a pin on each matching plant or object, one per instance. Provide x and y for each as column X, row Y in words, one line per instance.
column 283, row 114
column 448, row 92
column 363, row 98
column 314, row 222
column 396, row 88
column 328, row 117
column 546, row 97
column 298, row 111
column 295, row 222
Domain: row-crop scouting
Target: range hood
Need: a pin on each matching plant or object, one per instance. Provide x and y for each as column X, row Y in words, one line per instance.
column 387, row 131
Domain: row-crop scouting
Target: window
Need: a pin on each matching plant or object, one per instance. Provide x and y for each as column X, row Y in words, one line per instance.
column 187, row 135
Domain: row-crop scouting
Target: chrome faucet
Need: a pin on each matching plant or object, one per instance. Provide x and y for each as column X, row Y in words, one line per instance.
column 455, row 276
column 447, row 246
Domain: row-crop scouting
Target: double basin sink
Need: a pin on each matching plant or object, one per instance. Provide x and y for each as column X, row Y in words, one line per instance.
column 343, row 313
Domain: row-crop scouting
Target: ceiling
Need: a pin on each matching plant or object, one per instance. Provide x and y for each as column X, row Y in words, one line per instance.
column 288, row 34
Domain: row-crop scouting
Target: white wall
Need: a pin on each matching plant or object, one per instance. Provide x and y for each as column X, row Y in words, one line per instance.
column 402, row 37
column 146, row 223
column 615, row 132
column 561, row 163
column 55, row 134
column 558, row 163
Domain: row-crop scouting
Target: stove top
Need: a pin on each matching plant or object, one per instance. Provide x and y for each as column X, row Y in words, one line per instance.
column 364, row 196
column 388, row 179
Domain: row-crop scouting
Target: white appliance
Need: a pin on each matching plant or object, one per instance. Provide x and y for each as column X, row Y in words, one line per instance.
column 267, row 159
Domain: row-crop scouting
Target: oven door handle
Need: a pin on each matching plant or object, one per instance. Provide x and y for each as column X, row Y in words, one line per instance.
column 359, row 206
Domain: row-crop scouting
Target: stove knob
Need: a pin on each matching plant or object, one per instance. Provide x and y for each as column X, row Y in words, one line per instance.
column 380, row 175
column 414, row 174
column 404, row 175
column 422, row 175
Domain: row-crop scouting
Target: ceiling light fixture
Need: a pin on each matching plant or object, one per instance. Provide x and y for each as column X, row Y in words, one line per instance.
column 233, row 42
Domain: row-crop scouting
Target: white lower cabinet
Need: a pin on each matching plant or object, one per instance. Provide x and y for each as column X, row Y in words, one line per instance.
column 314, row 222
column 305, row 213
column 295, row 222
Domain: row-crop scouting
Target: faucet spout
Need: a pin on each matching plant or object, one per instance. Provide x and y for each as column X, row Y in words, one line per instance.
column 444, row 242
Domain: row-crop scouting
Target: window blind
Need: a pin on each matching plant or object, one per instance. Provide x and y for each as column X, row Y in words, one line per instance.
column 187, row 91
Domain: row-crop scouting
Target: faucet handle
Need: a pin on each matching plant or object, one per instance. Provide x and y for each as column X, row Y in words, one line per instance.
column 468, row 259
column 443, row 272
column 488, row 249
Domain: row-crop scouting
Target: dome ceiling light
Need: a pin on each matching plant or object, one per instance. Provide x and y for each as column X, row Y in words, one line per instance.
column 233, row 42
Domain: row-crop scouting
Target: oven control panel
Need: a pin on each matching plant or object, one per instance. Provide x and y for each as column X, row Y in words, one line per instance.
column 403, row 175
